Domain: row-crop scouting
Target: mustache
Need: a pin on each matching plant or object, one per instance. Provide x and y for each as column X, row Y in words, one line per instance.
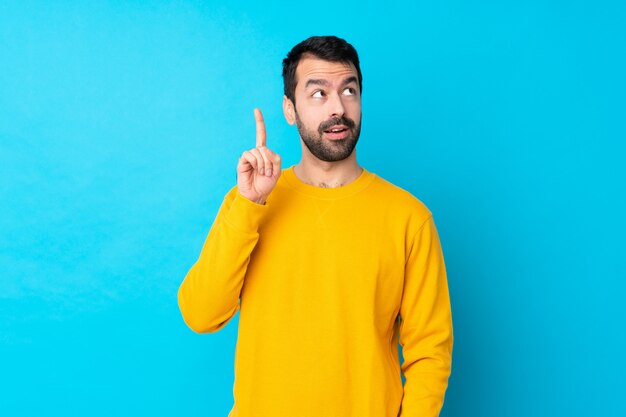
column 334, row 122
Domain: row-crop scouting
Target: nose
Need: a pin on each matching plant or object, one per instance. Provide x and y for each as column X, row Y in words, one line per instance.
column 335, row 106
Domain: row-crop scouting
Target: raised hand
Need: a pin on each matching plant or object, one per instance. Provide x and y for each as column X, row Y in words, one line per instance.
column 258, row 169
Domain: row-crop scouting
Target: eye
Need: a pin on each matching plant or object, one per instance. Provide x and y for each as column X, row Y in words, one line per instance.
column 349, row 91
column 318, row 94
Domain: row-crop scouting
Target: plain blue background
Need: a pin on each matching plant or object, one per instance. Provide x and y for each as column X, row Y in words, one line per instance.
column 120, row 128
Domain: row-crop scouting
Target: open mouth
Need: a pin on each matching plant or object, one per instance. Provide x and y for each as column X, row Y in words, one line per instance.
column 337, row 133
column 336, row 129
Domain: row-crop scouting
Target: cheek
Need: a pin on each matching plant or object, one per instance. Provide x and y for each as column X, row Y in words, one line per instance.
column 311, row 117
column 354, row 110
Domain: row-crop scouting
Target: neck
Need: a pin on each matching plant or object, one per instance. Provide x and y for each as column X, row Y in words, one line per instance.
column 313, row 171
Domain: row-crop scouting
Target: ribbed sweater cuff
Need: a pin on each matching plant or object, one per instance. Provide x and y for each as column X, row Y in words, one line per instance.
column 246, row 215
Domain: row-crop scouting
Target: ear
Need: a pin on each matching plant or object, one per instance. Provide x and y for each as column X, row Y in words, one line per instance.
column 289, row 110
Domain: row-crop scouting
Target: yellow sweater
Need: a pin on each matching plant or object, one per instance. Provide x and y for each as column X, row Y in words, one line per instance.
column 326, row 279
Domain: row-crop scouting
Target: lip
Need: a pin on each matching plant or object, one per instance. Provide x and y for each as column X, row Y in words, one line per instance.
column 336, row 127
column 338, row 135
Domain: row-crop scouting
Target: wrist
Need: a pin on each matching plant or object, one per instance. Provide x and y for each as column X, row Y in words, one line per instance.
column 257, row 200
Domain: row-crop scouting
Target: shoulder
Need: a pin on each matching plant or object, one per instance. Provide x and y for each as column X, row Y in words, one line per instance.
column 398, row 206
column 399, row 198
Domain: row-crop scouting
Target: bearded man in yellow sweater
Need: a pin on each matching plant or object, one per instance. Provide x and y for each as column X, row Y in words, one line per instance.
column 329, row 265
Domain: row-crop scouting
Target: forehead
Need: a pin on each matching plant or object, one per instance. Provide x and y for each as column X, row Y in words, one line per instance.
column 314, row 68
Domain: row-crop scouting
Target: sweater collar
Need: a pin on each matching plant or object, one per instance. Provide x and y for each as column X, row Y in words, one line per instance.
column 362, row 181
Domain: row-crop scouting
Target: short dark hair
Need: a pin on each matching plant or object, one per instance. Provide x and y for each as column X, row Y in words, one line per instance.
column 328, row 48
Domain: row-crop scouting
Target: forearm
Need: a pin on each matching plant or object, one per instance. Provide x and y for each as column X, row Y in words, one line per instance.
column 426, row 369
column 209, row 295
column 426, row 332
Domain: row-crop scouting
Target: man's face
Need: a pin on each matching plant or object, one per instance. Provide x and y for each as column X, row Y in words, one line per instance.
column 328, row 107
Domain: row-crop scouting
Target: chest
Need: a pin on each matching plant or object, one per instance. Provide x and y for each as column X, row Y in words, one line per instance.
column 328, row 258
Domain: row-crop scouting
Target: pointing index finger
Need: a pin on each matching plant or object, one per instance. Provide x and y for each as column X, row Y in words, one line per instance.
column 260, row 128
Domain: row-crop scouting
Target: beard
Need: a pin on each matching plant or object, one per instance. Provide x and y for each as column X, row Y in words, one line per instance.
column 330, row 150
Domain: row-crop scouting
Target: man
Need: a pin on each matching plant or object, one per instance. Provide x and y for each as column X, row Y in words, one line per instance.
column 329, row 265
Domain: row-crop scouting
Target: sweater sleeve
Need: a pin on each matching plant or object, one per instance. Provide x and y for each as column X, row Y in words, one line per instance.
column 426, row 332
column 209, row 295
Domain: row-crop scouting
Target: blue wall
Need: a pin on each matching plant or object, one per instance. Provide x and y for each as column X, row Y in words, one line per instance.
column 120, row 127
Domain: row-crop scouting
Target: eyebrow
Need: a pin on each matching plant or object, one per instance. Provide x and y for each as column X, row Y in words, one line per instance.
column 349, row 80
column 325, row 83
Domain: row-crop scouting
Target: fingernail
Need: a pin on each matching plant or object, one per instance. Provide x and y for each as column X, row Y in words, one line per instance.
column 268, row 172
